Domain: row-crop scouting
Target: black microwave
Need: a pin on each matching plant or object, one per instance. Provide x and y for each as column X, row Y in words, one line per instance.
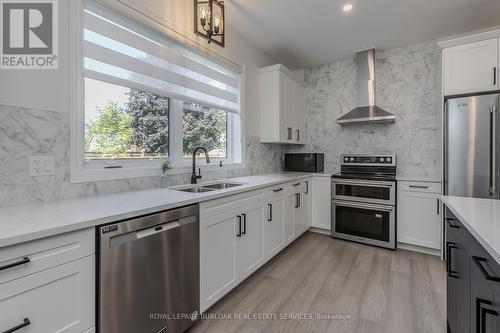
column 304, row 162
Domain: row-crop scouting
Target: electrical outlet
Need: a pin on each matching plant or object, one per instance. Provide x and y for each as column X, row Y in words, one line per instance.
column 41, row 166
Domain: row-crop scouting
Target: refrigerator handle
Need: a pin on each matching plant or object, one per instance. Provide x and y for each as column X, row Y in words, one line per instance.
column 493, row 135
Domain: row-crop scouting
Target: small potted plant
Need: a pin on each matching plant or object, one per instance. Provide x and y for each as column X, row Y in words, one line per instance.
column 165, row 166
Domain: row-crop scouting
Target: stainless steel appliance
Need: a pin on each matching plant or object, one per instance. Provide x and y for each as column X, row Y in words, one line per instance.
column 304, row 162
column 364, row 200
column 472, row 146
column 149, row 273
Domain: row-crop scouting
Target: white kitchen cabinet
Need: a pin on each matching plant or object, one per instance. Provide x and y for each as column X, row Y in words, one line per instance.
column 307, row 204
column 471, row 67
column 250, row 245
column 218, row 270
column 321, row 202
column 274, row 226
column 282, row 106
column 238, row 234
column 419, row 215
column 59, row 299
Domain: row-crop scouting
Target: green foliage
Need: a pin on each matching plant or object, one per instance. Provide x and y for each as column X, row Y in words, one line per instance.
column 149, row 114
column 166, row 165
column 111, row 131
column 203, row 127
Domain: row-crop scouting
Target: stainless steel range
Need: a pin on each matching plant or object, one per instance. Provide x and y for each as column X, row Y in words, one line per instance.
column 364, row 200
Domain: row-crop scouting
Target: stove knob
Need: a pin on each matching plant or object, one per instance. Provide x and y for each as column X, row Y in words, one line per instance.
column 382, row 159
column 346, row 159
column 389, row 159
column 352, row 159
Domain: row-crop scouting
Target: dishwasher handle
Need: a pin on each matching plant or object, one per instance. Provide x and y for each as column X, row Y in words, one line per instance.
column 157, row 229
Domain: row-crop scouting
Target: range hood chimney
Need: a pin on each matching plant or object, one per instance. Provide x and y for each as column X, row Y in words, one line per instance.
column 366, row 112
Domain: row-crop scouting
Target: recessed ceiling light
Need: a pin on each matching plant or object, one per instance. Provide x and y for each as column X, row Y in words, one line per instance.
column 347, row 7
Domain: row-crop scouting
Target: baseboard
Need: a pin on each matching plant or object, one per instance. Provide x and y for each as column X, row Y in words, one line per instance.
column 320, row 231
column 420, row 249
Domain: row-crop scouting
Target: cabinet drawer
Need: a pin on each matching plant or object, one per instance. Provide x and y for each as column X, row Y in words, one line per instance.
column 228, row 204
column 429, row 187
column 45, row 253
column 60, row 299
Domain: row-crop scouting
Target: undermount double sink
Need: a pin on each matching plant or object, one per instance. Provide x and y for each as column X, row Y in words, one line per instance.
column 208, row 187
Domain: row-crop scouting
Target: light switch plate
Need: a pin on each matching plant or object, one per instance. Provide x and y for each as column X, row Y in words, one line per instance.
column 42, row 166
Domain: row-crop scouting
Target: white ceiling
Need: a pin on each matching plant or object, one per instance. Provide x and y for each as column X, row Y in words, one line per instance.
column 302, row 33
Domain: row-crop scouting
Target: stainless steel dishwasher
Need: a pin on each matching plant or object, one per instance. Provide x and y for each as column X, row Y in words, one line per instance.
column 148, row 274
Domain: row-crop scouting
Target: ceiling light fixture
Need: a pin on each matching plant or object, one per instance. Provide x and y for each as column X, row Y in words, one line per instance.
column 347, row 7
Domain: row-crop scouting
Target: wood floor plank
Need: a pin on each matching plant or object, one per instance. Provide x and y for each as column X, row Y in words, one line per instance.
column 357, row 288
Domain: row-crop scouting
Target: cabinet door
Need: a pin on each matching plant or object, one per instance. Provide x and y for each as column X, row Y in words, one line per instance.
column 484, row 300
column 285, row 128
column 419, row 219
column 59, row 299
column 218, row 272
column 274, row 227
column 299, row 108
column 289, row 214
column 458, row 280
column 290, row 109
column 471, row 67
column 307, row 205
column 321, row 203
column 251, row 243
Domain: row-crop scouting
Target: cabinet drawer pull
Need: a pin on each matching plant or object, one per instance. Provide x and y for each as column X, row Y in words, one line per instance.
column 296, row 184
column 437, row 206
column 25, row 323
column 298, row 135
column 479, row 262
column 494, row 76
column 418, row 186
column 270, row 218
column 307, row 187
column 278, row 189
column 23, row 261
column 449, row 246
column 244, row 232
column 289, row 133
column 239, row 226
column 449, row 221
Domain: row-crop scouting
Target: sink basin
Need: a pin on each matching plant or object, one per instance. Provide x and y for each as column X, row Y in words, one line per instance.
column 196, row 189
column 207, row 187
column 221, row 186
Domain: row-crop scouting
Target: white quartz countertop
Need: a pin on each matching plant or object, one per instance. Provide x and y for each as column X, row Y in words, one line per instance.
column 481, row 217
column 24, row 223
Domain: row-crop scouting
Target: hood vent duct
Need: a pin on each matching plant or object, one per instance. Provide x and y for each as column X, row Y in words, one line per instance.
column 366, row 112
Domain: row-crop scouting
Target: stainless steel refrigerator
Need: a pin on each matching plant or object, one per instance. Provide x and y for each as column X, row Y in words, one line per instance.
column 472, row 146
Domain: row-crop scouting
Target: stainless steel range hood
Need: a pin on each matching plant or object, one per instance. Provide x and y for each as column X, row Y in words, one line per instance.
column 366, row 112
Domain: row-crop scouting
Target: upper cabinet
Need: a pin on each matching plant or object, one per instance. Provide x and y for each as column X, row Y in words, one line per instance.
column 471, row 67
column 282, row 106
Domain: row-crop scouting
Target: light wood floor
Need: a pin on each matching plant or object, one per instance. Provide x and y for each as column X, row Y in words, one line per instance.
column 380, row 290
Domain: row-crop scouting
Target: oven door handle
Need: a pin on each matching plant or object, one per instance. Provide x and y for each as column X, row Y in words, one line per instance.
column 363, row 206
column 356, row 183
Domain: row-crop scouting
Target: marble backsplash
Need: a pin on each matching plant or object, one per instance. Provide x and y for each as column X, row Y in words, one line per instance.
column 405, row 86
column 25, row 132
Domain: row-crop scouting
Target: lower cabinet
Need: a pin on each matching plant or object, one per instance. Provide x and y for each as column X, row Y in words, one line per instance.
column 250, row 242
column 419, row 219
column 321, row 203
column 59, row 299
column 473, row 282
column 239, row 234
column 274, row 226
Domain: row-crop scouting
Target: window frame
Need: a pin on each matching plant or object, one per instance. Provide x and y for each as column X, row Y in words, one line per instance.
column 88, row 171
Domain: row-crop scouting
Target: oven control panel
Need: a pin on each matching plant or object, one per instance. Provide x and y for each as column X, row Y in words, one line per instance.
column 368, row 160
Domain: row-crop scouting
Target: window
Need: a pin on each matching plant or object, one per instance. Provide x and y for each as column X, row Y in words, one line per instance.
column 142, row 98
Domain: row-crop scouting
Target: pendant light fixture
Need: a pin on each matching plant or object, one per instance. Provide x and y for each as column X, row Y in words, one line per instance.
column 209, row 20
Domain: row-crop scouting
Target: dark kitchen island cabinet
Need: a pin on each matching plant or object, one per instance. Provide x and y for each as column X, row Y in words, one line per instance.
column 473, row 282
